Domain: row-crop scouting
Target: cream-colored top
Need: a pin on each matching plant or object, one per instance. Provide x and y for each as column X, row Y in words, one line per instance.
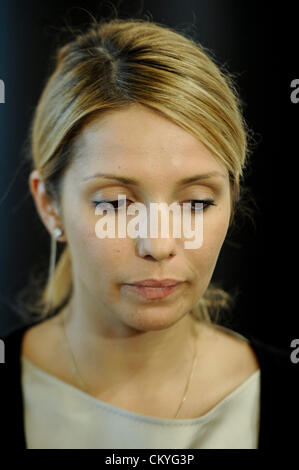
column 58, row 415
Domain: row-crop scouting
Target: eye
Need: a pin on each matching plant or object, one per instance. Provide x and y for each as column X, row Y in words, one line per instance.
column 115, row 204
column 206, row 203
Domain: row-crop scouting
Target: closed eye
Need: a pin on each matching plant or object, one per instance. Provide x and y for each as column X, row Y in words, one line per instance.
column 113, row 203
column 206, row 203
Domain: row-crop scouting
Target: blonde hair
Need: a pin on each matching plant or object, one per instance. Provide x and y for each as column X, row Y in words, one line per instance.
column 114, row 64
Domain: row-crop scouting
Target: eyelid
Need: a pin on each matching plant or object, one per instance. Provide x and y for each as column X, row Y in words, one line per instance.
column 205, row 201
column 118, row 187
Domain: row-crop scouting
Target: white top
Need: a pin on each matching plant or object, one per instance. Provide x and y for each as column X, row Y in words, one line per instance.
column 58, row 415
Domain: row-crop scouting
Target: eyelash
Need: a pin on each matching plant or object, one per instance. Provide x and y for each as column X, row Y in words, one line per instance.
column 208, row 202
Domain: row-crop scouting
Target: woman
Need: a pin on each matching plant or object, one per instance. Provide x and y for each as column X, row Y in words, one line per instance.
column 136, row 109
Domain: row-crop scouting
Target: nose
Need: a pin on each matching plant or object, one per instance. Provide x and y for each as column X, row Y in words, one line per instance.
column 156, row 248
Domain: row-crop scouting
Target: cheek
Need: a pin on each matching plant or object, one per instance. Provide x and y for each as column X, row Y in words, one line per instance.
column 203, row 260
column 95, row 260
column 101, row 260
column 214, row 234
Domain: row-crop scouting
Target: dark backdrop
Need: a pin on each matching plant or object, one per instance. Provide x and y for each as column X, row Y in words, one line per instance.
column 253, row 41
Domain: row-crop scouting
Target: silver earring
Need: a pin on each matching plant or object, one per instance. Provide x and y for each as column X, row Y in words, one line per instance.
column 57, row 232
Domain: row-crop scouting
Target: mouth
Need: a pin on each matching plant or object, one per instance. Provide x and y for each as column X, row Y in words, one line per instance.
column 156, row 292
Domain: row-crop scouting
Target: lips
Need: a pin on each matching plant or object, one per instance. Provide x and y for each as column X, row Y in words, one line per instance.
column 156, row 283
column 154, row 289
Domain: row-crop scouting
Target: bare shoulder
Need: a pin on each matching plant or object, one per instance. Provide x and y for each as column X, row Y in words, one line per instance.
column 225, row 362
column 231, row 351
column 40, row 343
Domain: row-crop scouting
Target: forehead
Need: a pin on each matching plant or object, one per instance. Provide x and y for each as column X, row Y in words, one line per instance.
column 141, row 141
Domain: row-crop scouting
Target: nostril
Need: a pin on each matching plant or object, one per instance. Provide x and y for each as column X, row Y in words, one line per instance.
column 150, row 258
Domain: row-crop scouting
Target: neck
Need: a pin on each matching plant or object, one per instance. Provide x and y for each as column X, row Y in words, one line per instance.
column 115, row 352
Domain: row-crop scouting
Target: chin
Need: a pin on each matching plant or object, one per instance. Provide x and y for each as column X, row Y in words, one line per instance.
column 151, row 319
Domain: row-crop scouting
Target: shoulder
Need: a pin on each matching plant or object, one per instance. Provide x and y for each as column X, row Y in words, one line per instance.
column 41, row 343
column 12, row 342
column 225, row 362
column 233, row 351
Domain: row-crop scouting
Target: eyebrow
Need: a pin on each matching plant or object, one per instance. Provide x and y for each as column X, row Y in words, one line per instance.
column 133, row 181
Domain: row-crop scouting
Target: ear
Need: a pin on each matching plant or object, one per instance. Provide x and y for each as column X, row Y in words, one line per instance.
column 46, row 207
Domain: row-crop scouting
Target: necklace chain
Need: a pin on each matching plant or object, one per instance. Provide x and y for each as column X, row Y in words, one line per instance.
column 77, row 375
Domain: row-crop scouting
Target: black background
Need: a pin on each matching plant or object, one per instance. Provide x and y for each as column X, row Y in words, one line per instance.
column 256, row 42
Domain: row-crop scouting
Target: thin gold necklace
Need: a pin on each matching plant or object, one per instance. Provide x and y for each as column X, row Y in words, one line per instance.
column 77, row 375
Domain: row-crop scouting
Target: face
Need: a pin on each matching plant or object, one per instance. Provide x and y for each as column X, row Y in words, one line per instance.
column 140, row 144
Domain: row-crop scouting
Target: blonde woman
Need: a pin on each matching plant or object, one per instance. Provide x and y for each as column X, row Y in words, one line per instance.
column 122, row 351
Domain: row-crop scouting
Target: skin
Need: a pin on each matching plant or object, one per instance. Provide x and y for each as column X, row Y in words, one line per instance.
column 143, row 342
